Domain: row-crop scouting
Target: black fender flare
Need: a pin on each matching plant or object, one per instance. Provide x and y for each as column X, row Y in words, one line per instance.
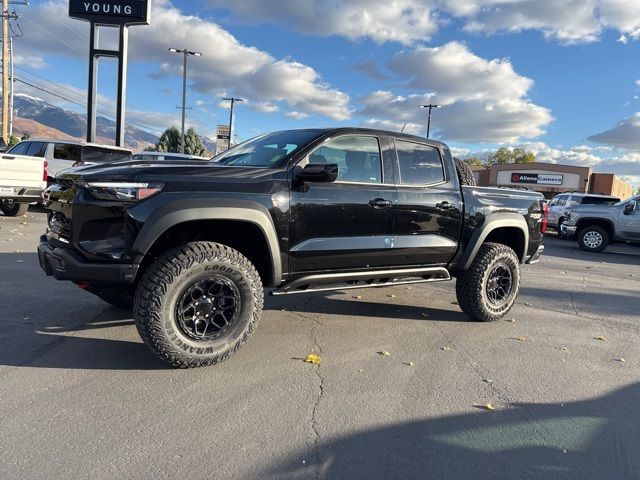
column 189, row 210
column 493, row 222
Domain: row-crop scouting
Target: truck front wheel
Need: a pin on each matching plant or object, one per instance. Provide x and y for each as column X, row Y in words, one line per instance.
column 487, row 291
column 198, row 304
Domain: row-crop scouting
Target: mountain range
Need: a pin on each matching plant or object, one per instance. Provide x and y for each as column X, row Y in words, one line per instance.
column 40, row 119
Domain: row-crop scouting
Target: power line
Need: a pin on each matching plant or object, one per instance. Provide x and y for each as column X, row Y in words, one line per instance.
column 54, row 36
column 84, row 105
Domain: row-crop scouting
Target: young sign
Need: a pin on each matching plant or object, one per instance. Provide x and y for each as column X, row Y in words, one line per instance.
column 111, row 12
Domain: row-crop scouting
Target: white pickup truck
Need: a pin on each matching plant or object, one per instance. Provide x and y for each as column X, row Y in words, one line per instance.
column 22, row 181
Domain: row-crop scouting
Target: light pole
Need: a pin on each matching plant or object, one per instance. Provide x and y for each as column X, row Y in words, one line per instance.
column 186, row 53
column 430, row 107
column 232, row 101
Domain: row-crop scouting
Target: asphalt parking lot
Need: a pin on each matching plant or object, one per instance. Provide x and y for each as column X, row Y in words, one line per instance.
column 81, row 397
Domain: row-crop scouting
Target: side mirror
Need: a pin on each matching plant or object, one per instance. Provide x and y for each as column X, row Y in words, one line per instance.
column 320, row 173
column 630, row 208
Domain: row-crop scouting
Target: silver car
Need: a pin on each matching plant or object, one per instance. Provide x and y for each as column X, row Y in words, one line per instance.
column 563, row 203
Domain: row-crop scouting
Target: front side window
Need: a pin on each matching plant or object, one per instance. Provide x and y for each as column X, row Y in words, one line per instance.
column 358, row 158
column 419, row 164
column 562, row 201
column 65, row 151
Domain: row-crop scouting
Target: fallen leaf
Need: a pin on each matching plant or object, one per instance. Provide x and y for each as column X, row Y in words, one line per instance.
column 425, row 315
column 391, row 296
column 487, row 406
column 601, row 338
column 621, row 360
column 513, row 320
column 455, row 303
column 486, row 380
column 384, row 354
column 564, row 349
column 445, row 349
column 313, row 358
column 527, row 304
column 357, row 297
column 410, row 364
column 360, row 371
column 521, row 339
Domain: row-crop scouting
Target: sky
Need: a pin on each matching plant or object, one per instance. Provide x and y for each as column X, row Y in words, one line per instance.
column 561, row 78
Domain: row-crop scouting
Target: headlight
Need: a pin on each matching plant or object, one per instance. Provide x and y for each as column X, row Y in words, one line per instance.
column 123, row 191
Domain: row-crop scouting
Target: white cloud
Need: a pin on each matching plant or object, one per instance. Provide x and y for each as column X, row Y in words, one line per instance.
column 296, row 115
column 484, row 101
column 403, row 21
column 624, row 135
column 412, row 21
column 226, row 66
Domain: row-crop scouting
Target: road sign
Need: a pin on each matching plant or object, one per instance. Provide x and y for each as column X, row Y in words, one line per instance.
column 223, row 139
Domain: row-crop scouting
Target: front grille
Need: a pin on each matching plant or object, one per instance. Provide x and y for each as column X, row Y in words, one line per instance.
column 59, row 226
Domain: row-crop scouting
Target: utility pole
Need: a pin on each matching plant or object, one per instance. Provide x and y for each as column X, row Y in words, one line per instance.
column 7, row 109
column 430, row 107
column 186, row 53
column 232, row 102
column 12, row 81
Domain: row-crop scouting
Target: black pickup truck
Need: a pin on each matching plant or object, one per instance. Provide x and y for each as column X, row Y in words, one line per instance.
column 192, row 245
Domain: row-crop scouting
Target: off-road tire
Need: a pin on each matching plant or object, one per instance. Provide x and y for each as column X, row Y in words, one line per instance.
column 15, row 209
column 166, row 280
column 118, row 297
column 471, row 286
column 594, row 229
column 465, row 174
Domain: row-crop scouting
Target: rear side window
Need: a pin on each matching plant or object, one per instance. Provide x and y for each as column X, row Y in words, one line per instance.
column 65, row 151
column 37, row 149
column 419, row 164
column 20, row 149
column 574, row 201
column 97, row 155
column 599, row 200
column 358, row 158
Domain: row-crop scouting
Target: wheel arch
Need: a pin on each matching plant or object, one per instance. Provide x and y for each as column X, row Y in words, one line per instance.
column 508, row 229
column 189, row 218
column 599, row 222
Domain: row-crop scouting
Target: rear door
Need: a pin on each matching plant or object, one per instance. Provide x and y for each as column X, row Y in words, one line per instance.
column 428, row 216
column 347, row 224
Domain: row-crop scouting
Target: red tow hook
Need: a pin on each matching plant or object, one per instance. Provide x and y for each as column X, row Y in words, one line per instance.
column 84, row 285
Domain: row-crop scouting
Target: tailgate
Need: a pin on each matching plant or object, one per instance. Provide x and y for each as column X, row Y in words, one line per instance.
column 21, row 171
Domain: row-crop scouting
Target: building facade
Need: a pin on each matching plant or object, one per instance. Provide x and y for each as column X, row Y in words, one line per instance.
column 552, row 179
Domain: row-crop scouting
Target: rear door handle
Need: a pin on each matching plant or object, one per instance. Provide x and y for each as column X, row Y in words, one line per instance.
column 380, row 203
column 445, row 206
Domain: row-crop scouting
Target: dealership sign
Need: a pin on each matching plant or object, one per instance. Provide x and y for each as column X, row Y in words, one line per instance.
column 111, row 12
column 537, row 179
column 223, row 139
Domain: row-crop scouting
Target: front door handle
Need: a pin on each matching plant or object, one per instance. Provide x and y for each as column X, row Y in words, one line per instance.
column 380, row 203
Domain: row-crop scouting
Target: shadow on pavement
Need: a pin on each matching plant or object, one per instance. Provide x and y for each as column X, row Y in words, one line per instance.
column 621, row 254
column 586, row 440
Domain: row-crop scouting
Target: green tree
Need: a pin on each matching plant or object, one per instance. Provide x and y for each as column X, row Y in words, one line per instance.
column 504, row 156
column 26, row 136
column 171, row 142
column 13, row 140
column 474, row 161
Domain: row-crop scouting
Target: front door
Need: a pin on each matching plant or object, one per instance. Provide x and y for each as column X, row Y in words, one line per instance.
column 347, row 224
column 630, row 224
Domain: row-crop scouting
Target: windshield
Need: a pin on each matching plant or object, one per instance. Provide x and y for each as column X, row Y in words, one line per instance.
column 634, row 199
column 266, row 150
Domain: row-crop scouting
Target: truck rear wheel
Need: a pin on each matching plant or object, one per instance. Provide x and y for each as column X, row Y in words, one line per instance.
column 487, row 291
column 198, row 304
column 593, row 239
column 14, row 209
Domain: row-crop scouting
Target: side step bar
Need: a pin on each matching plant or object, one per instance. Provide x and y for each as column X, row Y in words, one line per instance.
column 348, row 281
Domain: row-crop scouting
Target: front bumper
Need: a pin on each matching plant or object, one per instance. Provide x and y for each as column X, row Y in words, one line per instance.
column 65, row 264
column 568, row 230
column 535, row 258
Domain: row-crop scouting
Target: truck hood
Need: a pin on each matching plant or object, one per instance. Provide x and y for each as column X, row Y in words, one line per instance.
column 143, row 170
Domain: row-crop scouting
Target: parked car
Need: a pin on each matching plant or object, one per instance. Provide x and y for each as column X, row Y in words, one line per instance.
column 22, row 181
column 597, row 227
column 192, row 245
column 561, row 204
column 64, row 154
column 165, row 156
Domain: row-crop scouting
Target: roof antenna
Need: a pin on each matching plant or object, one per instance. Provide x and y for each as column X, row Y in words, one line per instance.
column 403, row 127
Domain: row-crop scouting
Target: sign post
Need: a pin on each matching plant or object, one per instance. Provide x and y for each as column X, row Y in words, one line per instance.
column 109, row 13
